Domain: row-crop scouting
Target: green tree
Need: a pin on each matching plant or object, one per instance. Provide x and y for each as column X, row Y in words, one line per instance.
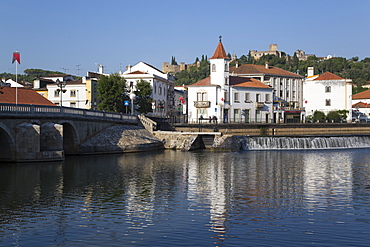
column 333, row 116
column 193, row 74
column 112, row 92
column 173, row 61
column 318, row 116
column 143, row 99
column 343, row 114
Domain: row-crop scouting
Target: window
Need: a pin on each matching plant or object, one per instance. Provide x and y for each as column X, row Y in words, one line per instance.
column 72, row 104
column 226, row 96
column 236, row 115
column 201, row 96
column 327, row 89
column 73, row 93
column 201, row 112
column 267, row 97
column 247, row 98
column 213, row 67
column 246, row 115
column 159, row 90
column 56, row 93
column 327, row 102
column 258, row 116
column 226, row 67
column 226, row 83
column 236, row 97
column 258, row 97
column 155, row 88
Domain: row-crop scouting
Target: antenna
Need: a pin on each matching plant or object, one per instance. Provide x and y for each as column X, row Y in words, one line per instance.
column 78, row 69
column 65, row 70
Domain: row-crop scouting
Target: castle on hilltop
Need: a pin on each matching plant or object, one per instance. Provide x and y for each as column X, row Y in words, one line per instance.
column 167, row 67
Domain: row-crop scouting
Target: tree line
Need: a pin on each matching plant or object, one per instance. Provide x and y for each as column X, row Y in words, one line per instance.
column 358, row 71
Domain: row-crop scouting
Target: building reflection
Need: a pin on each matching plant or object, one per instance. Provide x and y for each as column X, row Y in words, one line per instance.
column 328, row 180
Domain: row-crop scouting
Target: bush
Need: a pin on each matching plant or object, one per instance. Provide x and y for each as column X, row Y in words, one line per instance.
column 333, row 116
column 319, row 116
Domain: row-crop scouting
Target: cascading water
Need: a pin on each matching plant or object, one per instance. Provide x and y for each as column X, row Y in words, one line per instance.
column 332, row 142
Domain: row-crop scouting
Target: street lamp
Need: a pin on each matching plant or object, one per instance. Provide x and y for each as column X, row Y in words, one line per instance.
column 61, row 85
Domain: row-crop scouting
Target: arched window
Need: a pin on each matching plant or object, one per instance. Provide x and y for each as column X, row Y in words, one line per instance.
column 213, row 67
column 226, row 67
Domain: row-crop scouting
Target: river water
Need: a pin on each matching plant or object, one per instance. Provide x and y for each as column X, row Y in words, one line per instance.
column 173, row 198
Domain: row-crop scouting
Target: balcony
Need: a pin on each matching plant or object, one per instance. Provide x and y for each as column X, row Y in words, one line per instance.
column 259, row 104
column 202, row 104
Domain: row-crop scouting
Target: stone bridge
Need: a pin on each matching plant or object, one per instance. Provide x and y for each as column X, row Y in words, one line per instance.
column 40, row 133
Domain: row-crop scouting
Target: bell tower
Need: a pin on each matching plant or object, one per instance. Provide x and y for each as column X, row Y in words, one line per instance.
column 220, row 66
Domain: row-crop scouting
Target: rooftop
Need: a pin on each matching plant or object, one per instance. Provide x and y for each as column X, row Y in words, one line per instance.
column 250, row 69
column 24, row 96
column 328, row 76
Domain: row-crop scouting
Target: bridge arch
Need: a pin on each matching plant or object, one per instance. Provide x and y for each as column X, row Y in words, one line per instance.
column 71, row 139
column 7, row 144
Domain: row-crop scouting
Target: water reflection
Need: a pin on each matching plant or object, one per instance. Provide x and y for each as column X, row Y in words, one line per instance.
column 181, row 198
column 327, row 180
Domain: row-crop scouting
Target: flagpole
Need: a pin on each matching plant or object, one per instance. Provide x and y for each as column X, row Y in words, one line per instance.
column 16, row 86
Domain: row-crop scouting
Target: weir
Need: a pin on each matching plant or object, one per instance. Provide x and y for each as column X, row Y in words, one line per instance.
column 309, row 142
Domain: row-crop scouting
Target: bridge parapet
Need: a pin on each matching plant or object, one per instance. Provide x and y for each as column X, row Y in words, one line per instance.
column 60, row 112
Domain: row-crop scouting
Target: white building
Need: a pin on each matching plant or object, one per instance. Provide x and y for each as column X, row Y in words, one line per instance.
column 162, row 87
column 229, row 98
column 288, row 94
column 361, row 102
column 327, row 92
column 73, row 94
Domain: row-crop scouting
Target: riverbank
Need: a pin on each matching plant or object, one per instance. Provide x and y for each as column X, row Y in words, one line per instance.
column 121, row 139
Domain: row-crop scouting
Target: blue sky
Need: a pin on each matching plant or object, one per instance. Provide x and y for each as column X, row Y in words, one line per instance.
column 69, row 35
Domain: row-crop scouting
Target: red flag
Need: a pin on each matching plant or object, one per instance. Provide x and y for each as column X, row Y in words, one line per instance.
column 16, row 57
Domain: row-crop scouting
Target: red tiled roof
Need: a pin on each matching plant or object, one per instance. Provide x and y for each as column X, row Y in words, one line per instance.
column 220, row 52
column 250, row 69
column 362, row 95
column 360, row 105
column 25, row 96
column 233, row 81
column 246, row 82
column 328, row 76
column 204, row 82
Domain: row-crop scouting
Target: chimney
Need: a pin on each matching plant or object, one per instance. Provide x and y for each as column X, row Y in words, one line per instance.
column 237, row 65
column 128, row 68
column 101, row 69
column 310, row 71
column 267, row 65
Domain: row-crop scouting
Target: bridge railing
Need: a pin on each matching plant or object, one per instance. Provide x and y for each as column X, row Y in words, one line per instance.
column 53, row 111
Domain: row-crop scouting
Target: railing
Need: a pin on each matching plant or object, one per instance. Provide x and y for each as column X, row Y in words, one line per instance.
column 225, row 121
column 56, row 111
column 202, row 104
column 148, row 124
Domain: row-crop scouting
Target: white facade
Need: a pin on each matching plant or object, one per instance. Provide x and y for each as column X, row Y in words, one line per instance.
column 326, row 93
column 162, row 87
column 251, row 105
column 228, row 98
column 288, row 89
column 74, row 94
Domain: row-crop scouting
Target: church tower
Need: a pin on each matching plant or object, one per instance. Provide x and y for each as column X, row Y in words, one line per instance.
column 220, row 66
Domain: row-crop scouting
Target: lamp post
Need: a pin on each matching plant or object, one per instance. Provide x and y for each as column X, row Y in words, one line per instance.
column 61, row 85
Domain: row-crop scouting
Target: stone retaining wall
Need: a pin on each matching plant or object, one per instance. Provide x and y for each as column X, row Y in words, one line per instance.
column 121, row 138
